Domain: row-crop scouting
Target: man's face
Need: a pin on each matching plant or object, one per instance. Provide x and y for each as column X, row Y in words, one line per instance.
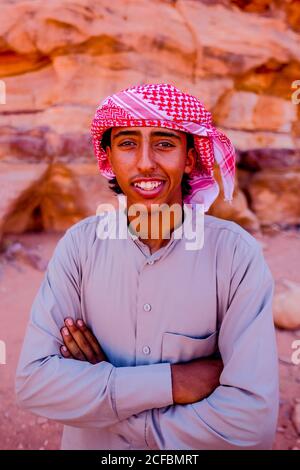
column 149, row 163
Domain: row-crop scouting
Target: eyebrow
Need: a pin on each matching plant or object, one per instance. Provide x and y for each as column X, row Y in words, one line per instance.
column 155, row 134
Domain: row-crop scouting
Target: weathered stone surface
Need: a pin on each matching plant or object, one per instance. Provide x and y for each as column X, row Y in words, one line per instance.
column 237, row 210
column 275, row 197
column 271, row 78
column 17, row 180
column 258, row 40
column 92, row 185
column 263, row 159
column 49, row 197
column 249, row 111
column 293, row 14
column 59, row 59
column 16, row 143
column 286, row 306
column 43, row 144
column 254, row 6
column 244, row 140
column 209, row 90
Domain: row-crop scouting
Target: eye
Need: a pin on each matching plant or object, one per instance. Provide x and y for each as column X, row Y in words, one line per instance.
column 126, row 143
column 165, row 144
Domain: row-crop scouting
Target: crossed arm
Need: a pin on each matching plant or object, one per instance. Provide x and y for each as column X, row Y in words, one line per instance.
column 191, row 381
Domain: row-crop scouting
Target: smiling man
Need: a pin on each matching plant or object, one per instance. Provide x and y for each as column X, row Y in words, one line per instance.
column 138, row 342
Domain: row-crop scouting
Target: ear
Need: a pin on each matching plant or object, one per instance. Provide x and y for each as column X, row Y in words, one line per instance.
column 190, row 161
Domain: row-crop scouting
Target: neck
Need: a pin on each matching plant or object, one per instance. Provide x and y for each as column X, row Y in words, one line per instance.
column 155, row 226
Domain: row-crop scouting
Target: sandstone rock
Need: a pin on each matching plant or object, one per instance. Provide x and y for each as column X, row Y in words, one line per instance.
column 60, row 59
column 38, row 197
column 263, row 159
column 245, row 140
column 254, row 6
column 63, row 119
column 44, row 144
column 56, row 119
column 19, row 144
column 293, row 14
column 237, row 211
column 259, row 38
column 209, row 90
column 62, row 82
column 50, row 197
column 249, row 111
column 286, row 307
column 178, row 42
column 275, row 197
column 60, row 201
column 15, row 181
column 31, row 92
column 102, row 73
column 58, row 27
column 271, row 78
column 92, row 185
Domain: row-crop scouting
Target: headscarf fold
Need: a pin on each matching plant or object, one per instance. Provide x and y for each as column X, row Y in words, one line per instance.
column 163, row 105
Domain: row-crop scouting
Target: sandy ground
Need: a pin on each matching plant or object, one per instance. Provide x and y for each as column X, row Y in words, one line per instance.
column 19, row 281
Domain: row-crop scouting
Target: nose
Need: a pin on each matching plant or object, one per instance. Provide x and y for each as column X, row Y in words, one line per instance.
column 146, row 161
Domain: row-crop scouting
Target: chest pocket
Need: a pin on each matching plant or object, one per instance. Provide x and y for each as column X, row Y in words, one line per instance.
column 182, row 348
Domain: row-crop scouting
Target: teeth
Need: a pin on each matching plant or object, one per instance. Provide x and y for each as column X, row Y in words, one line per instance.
column 148, row 185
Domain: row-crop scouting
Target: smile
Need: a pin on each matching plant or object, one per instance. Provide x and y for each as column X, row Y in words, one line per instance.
column 149, row 189
column 148, row 185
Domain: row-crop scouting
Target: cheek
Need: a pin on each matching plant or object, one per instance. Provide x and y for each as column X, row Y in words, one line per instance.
column 119, row 161
column 174, row 168
column 122, row 168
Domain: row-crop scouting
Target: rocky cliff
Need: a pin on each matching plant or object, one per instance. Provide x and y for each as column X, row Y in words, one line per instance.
column 58, row 59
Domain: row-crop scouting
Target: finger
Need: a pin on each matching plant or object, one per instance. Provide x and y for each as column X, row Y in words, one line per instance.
column 81, row 340
column 64, row 349
column 65, row 352
column 71, row 344
column 91, row 338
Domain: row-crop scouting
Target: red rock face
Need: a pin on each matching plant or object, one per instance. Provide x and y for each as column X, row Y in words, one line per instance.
column 255, row 6
column 59, row 60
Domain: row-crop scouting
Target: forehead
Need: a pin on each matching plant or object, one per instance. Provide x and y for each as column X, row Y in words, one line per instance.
column 147, row 131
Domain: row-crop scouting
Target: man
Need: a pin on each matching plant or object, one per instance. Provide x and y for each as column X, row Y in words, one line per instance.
column 138, row 342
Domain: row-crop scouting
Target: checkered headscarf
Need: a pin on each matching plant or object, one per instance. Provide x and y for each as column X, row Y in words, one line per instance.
column 163, row 105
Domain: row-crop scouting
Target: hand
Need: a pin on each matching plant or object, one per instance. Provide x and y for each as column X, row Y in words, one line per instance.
column 80, row 343
column 192, row 381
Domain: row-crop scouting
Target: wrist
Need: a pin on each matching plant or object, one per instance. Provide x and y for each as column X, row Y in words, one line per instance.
column 177, row 384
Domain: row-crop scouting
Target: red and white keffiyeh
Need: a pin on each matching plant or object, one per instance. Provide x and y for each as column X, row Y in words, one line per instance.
column 163, row 105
